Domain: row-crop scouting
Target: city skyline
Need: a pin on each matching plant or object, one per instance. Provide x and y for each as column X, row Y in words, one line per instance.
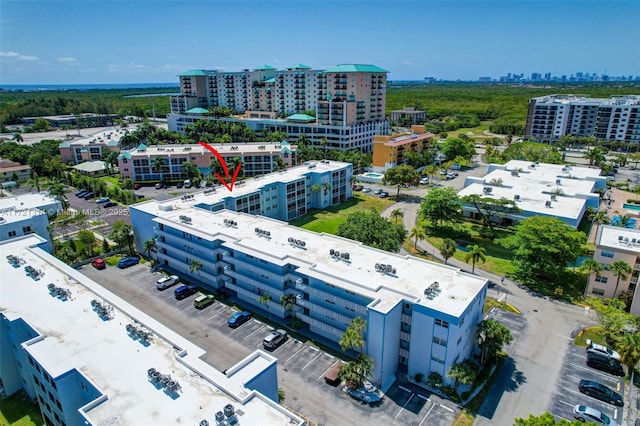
column 103, row 42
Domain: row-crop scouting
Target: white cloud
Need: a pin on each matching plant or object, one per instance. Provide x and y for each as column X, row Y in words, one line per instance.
column 131, row 67
column 406, row 63
column 66, row 59
column 15, row 55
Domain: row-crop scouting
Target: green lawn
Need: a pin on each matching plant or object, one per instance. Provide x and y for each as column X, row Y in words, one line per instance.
column 19, row 410
column 329, row 219
column 593, row 333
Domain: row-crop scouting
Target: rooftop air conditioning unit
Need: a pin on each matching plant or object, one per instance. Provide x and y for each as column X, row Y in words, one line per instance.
column 332, row 252
column 554, row 197
column 346, row 256
column 516, row 197
column 337, row 254
column 514, row 173
column 487, row 189
column 558, row 182
column 547, row 203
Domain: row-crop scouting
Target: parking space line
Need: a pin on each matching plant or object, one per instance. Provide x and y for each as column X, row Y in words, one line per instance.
column 313, row 348
column 447, row 408
column 325, row 371
column 501, row 318
column 608, row 376
column 423, row 397
column 309, row 363
column 427, row 415
column 404, row 389
column 253, row 332
column 299, row 350
column 223, row 310
column 564, row 337
column 566, row 403
column 615, row 414
column 405, row 404
column 222, row 323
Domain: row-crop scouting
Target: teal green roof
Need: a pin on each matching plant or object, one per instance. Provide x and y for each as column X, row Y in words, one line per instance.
column 197, row 111
column 355, row 68
column 113, row 143
column 285, row 150
column 126, row 155
column 264, row 68
column 299, row 67
column 284, row 143
column 64, row 145
column 192, row 73
column 141, row 147
column 300, row 117
column 270, row 80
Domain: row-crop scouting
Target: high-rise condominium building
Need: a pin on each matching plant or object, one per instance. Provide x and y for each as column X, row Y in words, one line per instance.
column 348, row 101
column 614, row 119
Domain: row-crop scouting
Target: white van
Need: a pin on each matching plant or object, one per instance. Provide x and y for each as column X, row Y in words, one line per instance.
column 187, row 183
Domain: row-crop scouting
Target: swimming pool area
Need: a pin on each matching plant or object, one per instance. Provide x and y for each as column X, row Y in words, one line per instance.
column 631, row 206
column 371, row 177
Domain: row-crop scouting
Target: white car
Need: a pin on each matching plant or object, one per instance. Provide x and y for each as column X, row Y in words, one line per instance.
column 602, row 350
column 424, row 181
column 591, row 415
column 166, row 282
column 366, row 189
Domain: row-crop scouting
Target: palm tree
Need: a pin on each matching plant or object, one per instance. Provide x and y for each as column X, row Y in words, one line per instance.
column 475, row 254
column 624, row 220
column 599, row 217
column 195, row 266
column 303, row 140
column 590, row 266
column 265, row 299
column 279, row 164
column 324, row 143
column 57, row 190
column 396, row 214
column 621, row 270
column 157, row 165
column 629, row 349
column 491, row 337
column 417, row 233
column 431, row 170
column 287, row 301
column 17, row 137
column 463, row 373
column 150, row 246
column 34, row 181
column 448, row 249
column 315, row 188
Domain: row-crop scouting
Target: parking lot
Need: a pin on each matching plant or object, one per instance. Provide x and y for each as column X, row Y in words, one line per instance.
column 567, row 394
column 301, row 366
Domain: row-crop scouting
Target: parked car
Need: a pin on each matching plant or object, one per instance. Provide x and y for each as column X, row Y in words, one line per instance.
column 366, row 189
column 102, row 200
column 88, row 195
column 78, row 192
column 128, row 261
column 424, row 181
column 179, row 185
column 604, row 363
column 203, row 301
column 601, row 392
column 109, row 204
column 159, row 185
column 184, row 291
column 136, row 186
column 238, row 319
column 275, row 339
column 357, row 187
column 451, row 175
column 166, row 282
column 81, row 194
column 588, row 414
column 187, row 183
column 98, row 263
column 383, row 194
column 602, row 350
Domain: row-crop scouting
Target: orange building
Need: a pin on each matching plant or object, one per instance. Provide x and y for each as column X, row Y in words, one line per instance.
column 389, row 150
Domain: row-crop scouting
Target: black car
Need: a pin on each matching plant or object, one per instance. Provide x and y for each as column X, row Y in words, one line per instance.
column 81, row 194
column 109, row 204
column 601, row 392
column 602, row 363
column 88, row 195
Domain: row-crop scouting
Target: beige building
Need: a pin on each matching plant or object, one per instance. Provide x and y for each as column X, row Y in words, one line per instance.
column 10, row 169
column 614, row 244
column 91, row 148
column 389, row 150
column 408, row 114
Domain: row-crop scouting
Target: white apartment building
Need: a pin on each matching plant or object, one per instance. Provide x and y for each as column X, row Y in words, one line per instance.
column 421, row 315
column 615, row 243
column 90, row 358
column 91, row 148
column 614, row 119
column 26, row 214
column 538, row 189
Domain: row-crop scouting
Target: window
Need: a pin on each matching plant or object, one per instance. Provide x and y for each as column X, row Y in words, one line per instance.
column 442, row 323
column 439, row 341
column 602, row 279
column 436, row 359
column 12, row 234
column 606, row 253
column 598, row 291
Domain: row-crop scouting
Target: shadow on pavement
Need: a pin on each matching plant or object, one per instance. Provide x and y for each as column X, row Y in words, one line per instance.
column 509, row 380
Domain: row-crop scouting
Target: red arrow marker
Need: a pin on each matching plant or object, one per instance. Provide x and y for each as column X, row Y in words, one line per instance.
column 223, row 180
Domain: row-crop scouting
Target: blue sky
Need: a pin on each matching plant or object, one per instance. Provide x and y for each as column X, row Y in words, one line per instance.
column 88, row 42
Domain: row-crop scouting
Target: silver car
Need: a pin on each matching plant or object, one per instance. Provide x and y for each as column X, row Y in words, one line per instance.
column 166, row 282
column 591, row 415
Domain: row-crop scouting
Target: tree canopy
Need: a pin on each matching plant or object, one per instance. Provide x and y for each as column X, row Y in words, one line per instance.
column 458, row 147
column 400, row 175
column 543, row 246
column 441, row 205
column 373, row 230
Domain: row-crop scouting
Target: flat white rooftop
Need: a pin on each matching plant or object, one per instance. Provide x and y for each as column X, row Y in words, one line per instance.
column 32, row 200
column 228, row 148
column 248, row 186
column 618, row 238
column 409, row 281
column 12, row 215
column 76, row 338
column 112, row 134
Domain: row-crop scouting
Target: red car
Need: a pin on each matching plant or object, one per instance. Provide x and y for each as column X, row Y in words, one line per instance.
column 136, row 186
column 99, row 263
